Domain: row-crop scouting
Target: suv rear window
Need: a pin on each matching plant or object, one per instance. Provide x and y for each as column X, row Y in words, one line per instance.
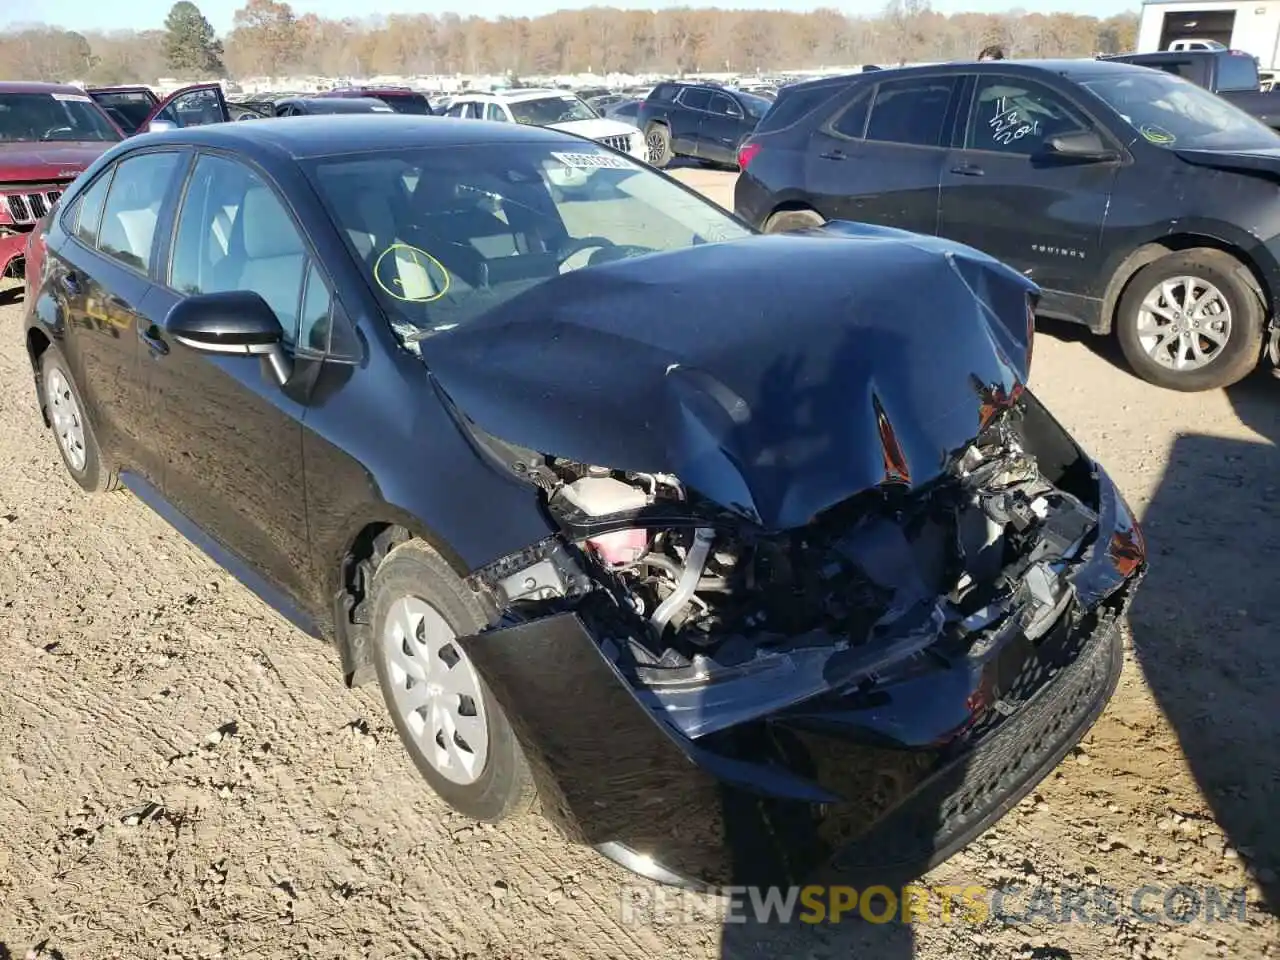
column 792, row 105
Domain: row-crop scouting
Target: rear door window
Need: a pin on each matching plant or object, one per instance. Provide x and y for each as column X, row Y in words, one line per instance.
column 911, row 111
column 494, row 111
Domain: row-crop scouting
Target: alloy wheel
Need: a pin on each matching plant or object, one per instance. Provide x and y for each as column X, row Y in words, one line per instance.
column 1184, row 323
column 435, row 690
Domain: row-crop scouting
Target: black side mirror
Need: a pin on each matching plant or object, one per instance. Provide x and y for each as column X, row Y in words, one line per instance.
column 237, row 323
column 1086, row 146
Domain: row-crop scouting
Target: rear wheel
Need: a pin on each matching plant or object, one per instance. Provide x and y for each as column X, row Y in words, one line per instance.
column 455, row 731
column 1192, row 321
column 71, row 430
column 658, row 139
column 788, row 221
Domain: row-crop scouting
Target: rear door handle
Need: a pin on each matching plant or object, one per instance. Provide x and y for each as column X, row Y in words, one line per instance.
column 834, row 155
column 968, row 170
column 149, row 334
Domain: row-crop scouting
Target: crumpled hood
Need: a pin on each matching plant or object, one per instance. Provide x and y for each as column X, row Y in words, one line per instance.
column 45, row 162
column 776, row 375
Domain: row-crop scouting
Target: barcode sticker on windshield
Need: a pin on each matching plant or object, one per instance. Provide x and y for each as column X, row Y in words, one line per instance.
column 72, row 98
column 592, row 161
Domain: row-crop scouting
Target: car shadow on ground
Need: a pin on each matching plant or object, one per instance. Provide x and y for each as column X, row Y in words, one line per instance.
column 1205, row 622
column 10, row 295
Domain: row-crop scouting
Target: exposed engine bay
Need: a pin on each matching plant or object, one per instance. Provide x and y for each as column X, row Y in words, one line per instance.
column 715, row 620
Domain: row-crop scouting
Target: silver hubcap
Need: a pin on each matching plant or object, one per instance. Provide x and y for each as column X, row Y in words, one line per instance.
column 68, row 426
column 436, row 691
column 656, row 147
column 1184, row 323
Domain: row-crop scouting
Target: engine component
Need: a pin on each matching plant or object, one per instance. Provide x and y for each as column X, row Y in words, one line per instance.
column 688, row 583
column 602, row 496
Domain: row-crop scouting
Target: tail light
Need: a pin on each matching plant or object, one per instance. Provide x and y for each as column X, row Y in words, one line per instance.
column 746, row 153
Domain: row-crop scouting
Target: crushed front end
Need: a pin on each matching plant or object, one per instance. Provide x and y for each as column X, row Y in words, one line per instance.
column 712, row 702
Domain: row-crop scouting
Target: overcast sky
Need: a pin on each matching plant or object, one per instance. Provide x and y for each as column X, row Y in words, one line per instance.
column 143, row 14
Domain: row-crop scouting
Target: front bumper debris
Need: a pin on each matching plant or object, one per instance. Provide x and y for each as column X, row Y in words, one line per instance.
column 873, row 780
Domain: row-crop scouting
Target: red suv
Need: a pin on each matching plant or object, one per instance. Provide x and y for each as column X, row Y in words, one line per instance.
column 48, row 134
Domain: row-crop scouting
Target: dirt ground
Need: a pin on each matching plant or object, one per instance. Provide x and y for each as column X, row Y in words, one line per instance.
column 182, row 774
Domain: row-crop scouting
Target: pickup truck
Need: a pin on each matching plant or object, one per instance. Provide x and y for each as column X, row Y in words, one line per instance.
column 1230, row 74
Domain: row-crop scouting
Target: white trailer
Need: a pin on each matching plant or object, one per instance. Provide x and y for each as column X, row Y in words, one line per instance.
column 1253, row 27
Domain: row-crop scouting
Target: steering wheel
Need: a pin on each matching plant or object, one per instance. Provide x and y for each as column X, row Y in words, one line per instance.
column 52, row 130
column 580, row 244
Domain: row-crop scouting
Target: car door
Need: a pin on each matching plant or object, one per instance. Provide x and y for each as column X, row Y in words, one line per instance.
column 879, row 156
column 721, row 129
column 105, row 270
column 685, row 119
column 193, row 106
column 232, row 435
column 1002, row 193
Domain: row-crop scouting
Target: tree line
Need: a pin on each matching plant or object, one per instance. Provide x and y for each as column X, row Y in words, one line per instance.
column 268, row 39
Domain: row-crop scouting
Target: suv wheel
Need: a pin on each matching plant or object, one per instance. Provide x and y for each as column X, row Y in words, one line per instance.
column 1192, row 321
column 787, row 221
column 658, row 140
column 71, row 430
column 454, row 729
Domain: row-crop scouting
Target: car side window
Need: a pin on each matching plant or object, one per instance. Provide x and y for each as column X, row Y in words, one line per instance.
column 458, row 110
column 235, row 234
column 695, row 98
column 89, row 209
column 724, row 106
column 910, row 111
column 133, row 206
column 494, row 111
column 1014, row 115
column 851, row 121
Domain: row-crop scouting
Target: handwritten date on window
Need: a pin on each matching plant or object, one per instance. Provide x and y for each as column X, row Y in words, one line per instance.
column 1009, row 126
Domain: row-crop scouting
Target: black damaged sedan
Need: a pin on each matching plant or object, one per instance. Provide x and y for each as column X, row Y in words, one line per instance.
column 751, row 557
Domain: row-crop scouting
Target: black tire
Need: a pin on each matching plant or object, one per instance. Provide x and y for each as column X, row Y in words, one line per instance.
column 788, row 221
column 1243, row 349
column 504, row 787
column 96, row 474
column 657, row 139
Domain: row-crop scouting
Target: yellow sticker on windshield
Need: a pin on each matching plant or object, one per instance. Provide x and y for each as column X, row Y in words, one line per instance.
column 1156, row 134
column 410, row 274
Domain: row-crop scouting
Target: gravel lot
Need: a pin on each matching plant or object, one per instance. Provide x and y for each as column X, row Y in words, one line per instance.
column 182, row 774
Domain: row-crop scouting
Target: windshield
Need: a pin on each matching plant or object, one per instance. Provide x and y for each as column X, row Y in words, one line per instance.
column 447, row 234
column 1171, row 112
column 414, row 103
column 52, row 116
column 545, row 111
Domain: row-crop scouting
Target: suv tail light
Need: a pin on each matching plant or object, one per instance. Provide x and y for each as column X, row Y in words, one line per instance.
column 746, row 153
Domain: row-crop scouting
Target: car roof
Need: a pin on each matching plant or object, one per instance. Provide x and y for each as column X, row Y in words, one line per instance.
column 337, row 104
column 1071, row 68
column 24, row 86
column 342, row 135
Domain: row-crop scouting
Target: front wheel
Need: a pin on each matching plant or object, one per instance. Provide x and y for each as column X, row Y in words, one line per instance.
column 455, row 731
column 658, row 139
column 1192, row 321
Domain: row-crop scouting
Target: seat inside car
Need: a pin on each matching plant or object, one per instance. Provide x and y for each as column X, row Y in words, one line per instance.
column 267, row 255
